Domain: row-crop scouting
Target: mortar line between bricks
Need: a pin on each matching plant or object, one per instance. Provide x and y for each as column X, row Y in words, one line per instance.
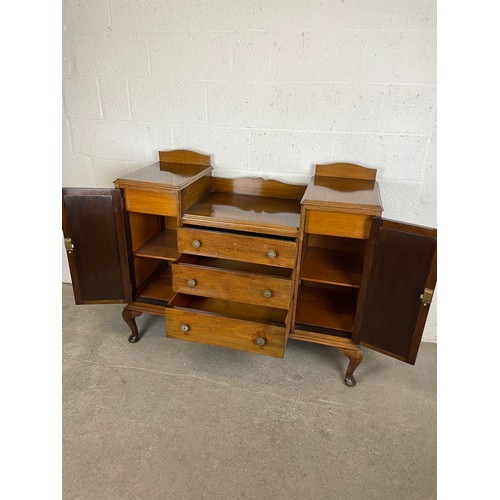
column 209, row 380
column 128, row 101
column 67, row 124
column 424, row 160
column 250, row 129
column 356, row 83
column 250, row 30
column 99, row 99
column 110, row 20
column 146, row 38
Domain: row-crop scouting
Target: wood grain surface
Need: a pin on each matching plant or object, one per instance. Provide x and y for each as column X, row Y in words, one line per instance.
column 225, row 331
column 232, row 285
column 338, row 224
column 149, row 202
column 237, row 247
column 246, row 213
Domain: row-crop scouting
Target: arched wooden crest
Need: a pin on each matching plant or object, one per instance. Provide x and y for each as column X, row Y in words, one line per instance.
column 346, row 171
column 184, row 156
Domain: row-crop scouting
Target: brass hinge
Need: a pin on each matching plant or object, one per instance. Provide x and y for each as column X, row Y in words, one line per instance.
column 68, row 244
column 427, row 296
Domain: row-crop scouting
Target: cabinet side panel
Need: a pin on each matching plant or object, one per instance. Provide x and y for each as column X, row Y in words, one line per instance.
column 194, row 192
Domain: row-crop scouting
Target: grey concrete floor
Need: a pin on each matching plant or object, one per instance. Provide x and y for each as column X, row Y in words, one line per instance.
column 167, row 419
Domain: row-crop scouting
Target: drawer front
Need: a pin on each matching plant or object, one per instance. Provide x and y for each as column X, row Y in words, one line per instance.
column 250, row 288
column 226, row 332
column 148, row 202
column 338, row 224
column 268, row 251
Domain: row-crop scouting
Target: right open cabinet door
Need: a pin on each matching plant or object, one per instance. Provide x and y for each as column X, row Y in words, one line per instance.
column 397, row 286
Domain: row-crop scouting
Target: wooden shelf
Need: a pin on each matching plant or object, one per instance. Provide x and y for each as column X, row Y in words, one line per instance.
column 322, row 338
column 325, row 307
column 227, row 308
column 159, row 288
column 324, row 265
column 162, row 245
column 242, row 212
column 231, row 265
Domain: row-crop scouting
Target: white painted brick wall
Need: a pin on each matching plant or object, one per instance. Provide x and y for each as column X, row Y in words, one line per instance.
column 267, row 87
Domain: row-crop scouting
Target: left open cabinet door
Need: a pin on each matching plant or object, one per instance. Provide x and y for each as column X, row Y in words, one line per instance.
column 95, row 240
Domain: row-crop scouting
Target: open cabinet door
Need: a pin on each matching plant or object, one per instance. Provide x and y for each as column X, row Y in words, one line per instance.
column 396, row 289
column 94, row 236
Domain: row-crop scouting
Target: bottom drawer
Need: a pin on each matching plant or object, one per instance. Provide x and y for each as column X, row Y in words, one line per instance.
column 223, row 323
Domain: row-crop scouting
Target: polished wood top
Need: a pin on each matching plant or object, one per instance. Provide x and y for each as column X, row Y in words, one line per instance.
column 349, row 195
column 258, row 214
column 163, row 176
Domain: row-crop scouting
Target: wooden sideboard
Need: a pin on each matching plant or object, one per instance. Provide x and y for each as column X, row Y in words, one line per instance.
column 249, row 264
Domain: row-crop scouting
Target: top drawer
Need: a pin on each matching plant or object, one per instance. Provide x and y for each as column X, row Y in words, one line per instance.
column 338, row 224
column 150, row 202
column 259, row 250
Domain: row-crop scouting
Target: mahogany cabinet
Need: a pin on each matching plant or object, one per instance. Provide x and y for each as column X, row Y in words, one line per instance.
column 249, row 264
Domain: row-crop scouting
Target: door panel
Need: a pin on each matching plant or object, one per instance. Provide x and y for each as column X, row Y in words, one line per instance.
column 93, row 219
column 400, row 264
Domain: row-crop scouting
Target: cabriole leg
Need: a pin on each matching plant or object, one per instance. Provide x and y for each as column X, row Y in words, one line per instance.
column 355, row 357
column 129, row 318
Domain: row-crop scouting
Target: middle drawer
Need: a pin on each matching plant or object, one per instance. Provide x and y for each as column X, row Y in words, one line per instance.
column 231, row 280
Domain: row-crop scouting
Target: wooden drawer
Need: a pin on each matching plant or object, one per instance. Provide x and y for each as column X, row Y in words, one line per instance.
column 150, row 202
column 253, row 329
column 259, row 250
column 338, row 224
column 231, row 280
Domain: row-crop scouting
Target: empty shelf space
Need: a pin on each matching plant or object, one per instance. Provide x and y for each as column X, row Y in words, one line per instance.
column 236, row 310
column 159, row 288
column 321, row 338
column 248, row 213
column 162, row 245
column 231, row 265
column 325, row 265
column 325, row 307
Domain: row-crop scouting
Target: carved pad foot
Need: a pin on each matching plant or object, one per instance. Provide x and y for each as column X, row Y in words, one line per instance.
column 355, row 357
column 129, row 318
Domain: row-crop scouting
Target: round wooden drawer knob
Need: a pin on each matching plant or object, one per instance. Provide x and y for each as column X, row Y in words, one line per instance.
column 272, row 254
column 261, row 341
column 191, row 282
column 267, row 294
column 185, row 328
column 196, row 243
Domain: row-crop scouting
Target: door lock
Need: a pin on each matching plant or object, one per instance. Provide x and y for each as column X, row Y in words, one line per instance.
column 426, row 296
column 68, row 244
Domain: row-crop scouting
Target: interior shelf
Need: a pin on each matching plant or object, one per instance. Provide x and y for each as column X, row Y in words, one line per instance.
column 231, row 265
column 321, row 338
column 325, row 306
column 159, row 288
column 325, row 265
column 249, row 213
column 162, row 245
column 227, row 308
